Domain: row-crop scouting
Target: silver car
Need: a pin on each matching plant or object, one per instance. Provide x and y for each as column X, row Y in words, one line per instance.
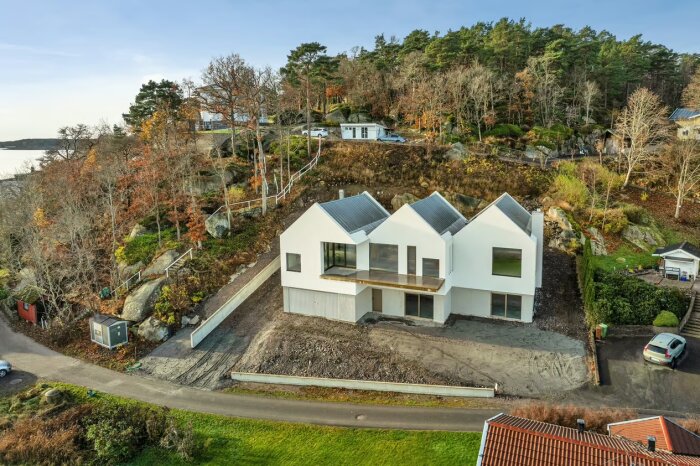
column 5, row 368
column 316, row 132
column 665, row 349
column 391, row 137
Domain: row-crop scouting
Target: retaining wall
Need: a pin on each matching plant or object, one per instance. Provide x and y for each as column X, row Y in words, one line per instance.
column 417, row 389
column 208, row 325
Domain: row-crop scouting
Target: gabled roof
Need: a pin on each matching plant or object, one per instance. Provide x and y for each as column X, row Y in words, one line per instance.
column 510, row 440
column 106, row 320
column 439, row 214
column 684, row 246
column 513, row 210
column 684, row 114
column 356, row 213
column 669, row 435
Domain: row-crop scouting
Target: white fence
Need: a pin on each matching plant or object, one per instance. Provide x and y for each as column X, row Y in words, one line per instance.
column 208, row 326
column 178, row 260
column 280, row 196
column 416, row 389
column 127, row 284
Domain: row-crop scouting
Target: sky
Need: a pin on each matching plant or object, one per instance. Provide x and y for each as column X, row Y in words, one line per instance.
column 67, row 62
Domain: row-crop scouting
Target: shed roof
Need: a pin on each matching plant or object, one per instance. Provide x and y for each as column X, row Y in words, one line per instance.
column 510, row 440
column 439, row 214
column 684, row 114
column 684, row 246
column 363, row 124
column 513, row 210
column 106, row 320
column 669, row 435
column 356, row 213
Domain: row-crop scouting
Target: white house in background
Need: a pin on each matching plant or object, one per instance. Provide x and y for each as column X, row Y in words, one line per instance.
column 688, row 122
column 362, row 131
column 680, row 260
column 344, row 258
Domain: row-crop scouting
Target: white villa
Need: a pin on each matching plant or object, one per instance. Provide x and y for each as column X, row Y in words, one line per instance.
column 681, row 261
column 362, row 131
column 344, row 258
column 688, row 122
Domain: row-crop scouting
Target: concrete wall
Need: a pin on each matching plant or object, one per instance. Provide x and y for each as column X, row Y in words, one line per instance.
column 471, row 302
column 207, row 326
column 421, row 389
column 334, row 306
column 473, row 254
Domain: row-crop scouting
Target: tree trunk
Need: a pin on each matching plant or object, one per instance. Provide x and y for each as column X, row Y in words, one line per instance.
column 308, row 116
column 627, row 176
column 263, row 171
column 679, row 204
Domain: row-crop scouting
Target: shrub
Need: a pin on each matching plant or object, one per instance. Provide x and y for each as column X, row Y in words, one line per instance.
column 570, row 189
column 144, row 247
column 666, row 319
column 113, row 442
column 638, row 215
column 504, row 131
column 180, row 439
column 615, row 220
column 566, row 416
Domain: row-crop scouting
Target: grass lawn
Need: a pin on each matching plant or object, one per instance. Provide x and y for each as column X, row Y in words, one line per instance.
column 624, row 257
column 225, row 440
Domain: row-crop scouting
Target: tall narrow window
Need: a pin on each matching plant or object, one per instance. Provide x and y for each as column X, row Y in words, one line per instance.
column 431, row 267
column 293, row 262
column 411, row 260
column 354, row 133
column 364, row 132
column 507, row 262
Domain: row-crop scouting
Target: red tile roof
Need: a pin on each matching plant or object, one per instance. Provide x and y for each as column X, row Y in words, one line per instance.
column 514, row 441
column 669, row 435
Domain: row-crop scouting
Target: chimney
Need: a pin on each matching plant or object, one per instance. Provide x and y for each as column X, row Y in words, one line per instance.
column 537, row 228
column 341, row 194
column 581, row 425
column 651, row 443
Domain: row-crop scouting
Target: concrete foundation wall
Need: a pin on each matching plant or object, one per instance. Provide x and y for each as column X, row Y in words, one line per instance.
column 333, row 306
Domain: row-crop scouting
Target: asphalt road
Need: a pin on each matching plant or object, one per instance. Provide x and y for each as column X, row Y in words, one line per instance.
column 35, row 360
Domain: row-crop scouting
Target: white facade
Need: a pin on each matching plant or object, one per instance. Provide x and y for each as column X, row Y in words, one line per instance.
column 679, row 262
column 438, row 262
column 362, row 131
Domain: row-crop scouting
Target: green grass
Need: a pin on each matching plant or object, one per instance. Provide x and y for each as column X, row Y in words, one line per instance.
column 225, row 440
column 625, row 257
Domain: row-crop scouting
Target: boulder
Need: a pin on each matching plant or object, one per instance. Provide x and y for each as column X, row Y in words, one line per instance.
column 360, row 117
column 597, row 242
column 217, row 224
column 53, row 396
column 337, row 116
column 186, row 320
column 207, row 183
column 126, row 271
column 158, row 265
column 401, row 199
column 558, row 216
column 139, row 304
column 137, row 231
column 456, row 152
column 644, row 237
column 153, row 329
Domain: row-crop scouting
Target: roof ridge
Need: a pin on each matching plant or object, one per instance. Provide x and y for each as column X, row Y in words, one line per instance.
column 664, row 429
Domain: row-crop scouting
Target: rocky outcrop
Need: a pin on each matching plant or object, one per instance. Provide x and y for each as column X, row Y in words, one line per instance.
column 597, row 242
column 336, row 116
column 400, row 199
column 217, row 224
column 193, row 320
column 139, row 304
column 126, row 271
column 207, row 183
column 563, row 236
column 558, row 216
column 644, row 237
column 137, row 231
column 153, row 330
column 457, row 152
column 157, row 267
column 360, row 117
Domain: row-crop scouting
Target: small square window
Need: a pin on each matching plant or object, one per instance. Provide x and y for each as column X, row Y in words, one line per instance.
column 293, row 262
column 431, row 268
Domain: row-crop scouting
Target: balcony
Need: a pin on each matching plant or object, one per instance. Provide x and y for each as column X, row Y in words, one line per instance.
column 382, row 278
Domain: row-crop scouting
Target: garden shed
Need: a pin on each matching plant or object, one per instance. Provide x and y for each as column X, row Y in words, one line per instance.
column 108, row 331
column 30, row 306
column 680, row 261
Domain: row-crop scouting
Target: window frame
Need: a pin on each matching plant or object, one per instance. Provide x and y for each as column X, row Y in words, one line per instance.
column 506, row 304
column 493, row 262
column 287, row 262
column 331, row 253
column 437, row 269
column 372, row 261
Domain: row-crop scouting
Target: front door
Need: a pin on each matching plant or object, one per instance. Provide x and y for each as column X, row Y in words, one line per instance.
column 376, row 300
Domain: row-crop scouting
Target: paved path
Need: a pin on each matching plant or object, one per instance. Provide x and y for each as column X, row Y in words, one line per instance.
column 27, row 355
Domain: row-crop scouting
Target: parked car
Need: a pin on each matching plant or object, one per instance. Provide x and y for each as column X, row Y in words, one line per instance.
column 665, row 349
column 316, row 132
column 5, row 368
column 392, row 137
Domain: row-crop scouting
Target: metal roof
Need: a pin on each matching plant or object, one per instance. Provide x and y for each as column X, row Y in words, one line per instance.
column 439, row 214
column 355, row 213
column 515, row 212
column 106, row 320
column 684, row 246
column 684, row 114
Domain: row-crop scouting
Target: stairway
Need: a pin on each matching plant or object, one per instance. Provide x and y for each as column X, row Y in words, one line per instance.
column 692, row 328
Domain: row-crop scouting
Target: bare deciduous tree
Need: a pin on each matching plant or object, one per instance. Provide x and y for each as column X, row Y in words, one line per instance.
column 679, row 165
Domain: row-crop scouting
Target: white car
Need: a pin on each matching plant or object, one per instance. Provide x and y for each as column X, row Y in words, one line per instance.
column 5, row 368
column 316, row 132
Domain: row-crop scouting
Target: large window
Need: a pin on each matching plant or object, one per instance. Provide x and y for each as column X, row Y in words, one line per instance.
column 419, row 305
column 431, row 268
column 339, row 255
column 506, row 305
column 384, row 257
column 507, row 262
column 293, row 262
